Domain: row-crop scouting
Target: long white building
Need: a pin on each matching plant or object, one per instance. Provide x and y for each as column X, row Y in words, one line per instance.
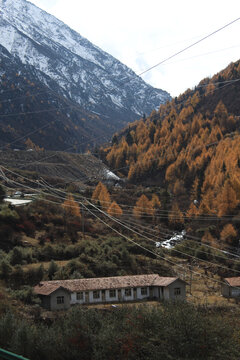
column 61, row 294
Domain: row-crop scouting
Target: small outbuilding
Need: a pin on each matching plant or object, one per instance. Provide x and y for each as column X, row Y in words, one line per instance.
column 231, row 287
column 61, row 294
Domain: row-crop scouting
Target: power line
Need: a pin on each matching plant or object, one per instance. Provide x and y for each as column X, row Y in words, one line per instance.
column 63, row 192
column 74, row 105
column 137, row 244
column 204, row 54
column 120, row 222
column 160, row 214
column 146, row 237
column 188, row 47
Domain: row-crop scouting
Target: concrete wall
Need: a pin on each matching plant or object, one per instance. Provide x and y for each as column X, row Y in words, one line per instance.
column 136, row 294
column 59, row 293
column 235, row 292
column 158, row 292
column 229, row 291
column 46, row 302
column 140, row 296
column 171, row 291
column 226, row 292
column 74, row 300
column 166, row 295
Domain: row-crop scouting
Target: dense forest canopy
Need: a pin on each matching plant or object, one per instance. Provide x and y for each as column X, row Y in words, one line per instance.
column 190, row 146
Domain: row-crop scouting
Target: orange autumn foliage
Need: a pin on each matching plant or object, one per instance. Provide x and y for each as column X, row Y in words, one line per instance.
column 228, row 234
column 102, row 195
column 190, row 147
column 143, row 207
column 114, row 210
column 71, row 207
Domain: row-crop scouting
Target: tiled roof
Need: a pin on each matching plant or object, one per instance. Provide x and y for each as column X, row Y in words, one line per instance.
column 48, row 287
column 233, row 281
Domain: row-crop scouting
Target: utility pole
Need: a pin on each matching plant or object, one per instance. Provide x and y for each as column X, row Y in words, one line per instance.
column 190, row 269
column 83, row 229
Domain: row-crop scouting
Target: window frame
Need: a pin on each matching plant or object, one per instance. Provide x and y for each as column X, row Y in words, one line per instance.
column 111, row 292
column 80, row 295
column 144, row 290
column 60, row 300
column 96, row 294
column 128, row 292
column 177, row 291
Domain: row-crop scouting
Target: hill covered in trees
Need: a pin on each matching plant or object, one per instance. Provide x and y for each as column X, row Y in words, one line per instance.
column 190, row 147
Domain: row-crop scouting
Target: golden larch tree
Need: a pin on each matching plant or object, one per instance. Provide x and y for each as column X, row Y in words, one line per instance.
column 71, row 207
column 155, row 204
column 227, row 199
column 228, row 234
column 175, row 216
column 192, row 211
column 209, row 239
column 115, row 210
column 96, row 192
column 194, row 190
column 102, row 195
column 143, row 207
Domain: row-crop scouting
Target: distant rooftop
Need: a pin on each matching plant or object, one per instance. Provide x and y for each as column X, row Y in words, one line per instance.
column 233, row 281
column 115, row 282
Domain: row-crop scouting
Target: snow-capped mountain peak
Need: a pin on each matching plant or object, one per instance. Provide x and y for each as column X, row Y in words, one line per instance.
column 82, row 72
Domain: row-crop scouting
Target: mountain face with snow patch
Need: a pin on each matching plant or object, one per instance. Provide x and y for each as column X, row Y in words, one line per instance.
column 71, row 66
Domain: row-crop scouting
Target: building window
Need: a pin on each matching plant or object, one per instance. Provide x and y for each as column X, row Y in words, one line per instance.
column 128, row 292
column 112, row 293
column 177, row 291
column 80, row 295
column 60, row 299
column 143, row 291
column 96, row 294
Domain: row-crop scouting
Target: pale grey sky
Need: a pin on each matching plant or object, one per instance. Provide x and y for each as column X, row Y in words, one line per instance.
column 142, row 33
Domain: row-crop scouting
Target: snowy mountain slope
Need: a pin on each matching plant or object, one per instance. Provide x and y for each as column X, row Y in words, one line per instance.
column 33, row 109
column 79, row 70
column 56, row 58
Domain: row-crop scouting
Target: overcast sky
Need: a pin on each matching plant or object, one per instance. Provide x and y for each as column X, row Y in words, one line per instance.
column 143, row 33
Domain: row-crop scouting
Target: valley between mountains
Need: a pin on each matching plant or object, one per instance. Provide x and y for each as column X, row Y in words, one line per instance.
column 102, row 177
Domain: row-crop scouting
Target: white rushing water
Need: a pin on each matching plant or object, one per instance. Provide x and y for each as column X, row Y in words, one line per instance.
column 174, row 240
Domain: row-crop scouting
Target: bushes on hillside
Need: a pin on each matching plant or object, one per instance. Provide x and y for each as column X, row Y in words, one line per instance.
column 169, row 331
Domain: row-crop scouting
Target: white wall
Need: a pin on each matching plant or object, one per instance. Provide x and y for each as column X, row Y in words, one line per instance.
column 74, row 299
column 122, row 296
column 235, row 292
column 168, row 294
column 140, row 296
column 111, row 299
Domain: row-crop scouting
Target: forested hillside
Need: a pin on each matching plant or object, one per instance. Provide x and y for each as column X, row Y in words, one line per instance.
column 191, row 146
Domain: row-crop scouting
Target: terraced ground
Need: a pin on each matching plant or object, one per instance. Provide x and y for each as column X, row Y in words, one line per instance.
column 61, row 166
